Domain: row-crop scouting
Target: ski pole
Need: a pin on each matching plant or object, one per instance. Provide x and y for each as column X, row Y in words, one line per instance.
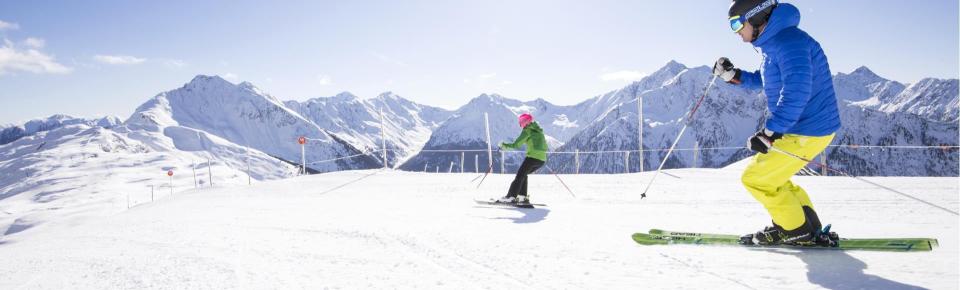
column 475, row 178
column 778, row 150
column 561, row 181
column 687, row 123
column 484, row 176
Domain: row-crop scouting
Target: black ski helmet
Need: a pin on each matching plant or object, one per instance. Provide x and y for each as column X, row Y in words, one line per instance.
column 757, row 12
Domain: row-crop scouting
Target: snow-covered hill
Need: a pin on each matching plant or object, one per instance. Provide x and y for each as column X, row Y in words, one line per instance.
column 245, row 116
column 934, row 99
column 408, row 124
column 727, row 113
column 464, row 130
column 394, row 229
column 930, row 98
column 13, row 132
column 76, row 171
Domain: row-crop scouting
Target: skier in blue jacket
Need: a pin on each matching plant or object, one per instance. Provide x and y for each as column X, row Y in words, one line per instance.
column 796, row 79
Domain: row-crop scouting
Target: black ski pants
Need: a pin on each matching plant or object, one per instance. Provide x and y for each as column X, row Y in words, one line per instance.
column 519, row 185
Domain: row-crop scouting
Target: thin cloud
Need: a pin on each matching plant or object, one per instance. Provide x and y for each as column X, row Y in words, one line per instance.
column 174, row 63
column 324, row 80
column 119, row 59
column 34, row 42
column 231, row 77
column 8, row 26
column 31, row 60
column 624, row 75
column 487, row 81
column 387, row 59
column 480, row 79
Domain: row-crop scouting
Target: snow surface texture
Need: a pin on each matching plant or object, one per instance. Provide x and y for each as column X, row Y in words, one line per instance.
column 393, row 229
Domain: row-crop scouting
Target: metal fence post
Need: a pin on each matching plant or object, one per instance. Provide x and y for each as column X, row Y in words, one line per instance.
column 576, row 161
column 696, row 153
column 626, row 162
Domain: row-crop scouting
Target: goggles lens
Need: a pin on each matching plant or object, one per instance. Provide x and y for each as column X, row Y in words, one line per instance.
column 736, row 23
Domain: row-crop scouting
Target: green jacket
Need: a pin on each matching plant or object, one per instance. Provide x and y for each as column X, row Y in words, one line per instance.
column 532, row 136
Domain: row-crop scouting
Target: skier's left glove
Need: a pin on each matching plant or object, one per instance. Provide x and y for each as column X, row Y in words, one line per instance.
column 763, row 140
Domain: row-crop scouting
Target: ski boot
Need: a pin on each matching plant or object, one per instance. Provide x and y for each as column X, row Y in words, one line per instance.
column 823, row 236
column 507, row 199
column 804, row 235
column 523, row 200
column 776, row 235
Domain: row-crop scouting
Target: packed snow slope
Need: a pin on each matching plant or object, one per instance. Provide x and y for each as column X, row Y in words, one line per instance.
column 393, row 229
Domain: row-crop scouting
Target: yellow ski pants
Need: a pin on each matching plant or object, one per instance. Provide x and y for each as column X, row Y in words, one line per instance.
column 767, row 178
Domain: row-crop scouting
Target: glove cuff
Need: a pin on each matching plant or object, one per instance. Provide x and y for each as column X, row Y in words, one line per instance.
column 771, row 134
column 736, row 77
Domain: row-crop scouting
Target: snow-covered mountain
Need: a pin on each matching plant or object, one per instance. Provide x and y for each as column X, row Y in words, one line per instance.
column 240, row 130
column 408, row 124
column 730, row 114
column 930, row 98
column 464, row 130
column 13, row 132
column 243, row 115
column 875, row 111
column 865, row 87
column 727, row 113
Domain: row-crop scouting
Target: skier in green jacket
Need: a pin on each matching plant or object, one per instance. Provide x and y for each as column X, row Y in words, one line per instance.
column 532, row 136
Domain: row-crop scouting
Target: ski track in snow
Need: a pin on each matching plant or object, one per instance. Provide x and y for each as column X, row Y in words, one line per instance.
column 392, row 229
column 700, row 269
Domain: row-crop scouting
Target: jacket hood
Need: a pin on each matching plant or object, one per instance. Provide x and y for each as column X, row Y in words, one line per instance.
column 533, row 126
column 784, row 16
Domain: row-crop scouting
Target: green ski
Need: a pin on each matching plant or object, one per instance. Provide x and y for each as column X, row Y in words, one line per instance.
column 664, row 237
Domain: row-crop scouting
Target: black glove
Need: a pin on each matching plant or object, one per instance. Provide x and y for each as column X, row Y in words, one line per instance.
column 763, row 140
column 725, row 70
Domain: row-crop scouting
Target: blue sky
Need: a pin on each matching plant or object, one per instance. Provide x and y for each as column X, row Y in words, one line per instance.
column 91, row 58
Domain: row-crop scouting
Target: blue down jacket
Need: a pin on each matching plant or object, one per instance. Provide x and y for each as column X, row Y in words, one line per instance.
column 796, row 78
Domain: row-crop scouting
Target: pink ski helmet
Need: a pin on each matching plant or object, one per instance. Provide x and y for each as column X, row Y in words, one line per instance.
column 525, row 119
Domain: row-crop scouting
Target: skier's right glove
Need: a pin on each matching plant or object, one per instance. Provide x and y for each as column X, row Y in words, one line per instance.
column 763, row 140
column 724, row 69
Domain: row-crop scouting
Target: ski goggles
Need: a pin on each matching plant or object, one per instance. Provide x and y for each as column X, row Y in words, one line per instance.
column 737, row 23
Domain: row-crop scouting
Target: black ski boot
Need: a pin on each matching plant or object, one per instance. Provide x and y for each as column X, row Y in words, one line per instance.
column 823, row 236
column 776, row 235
